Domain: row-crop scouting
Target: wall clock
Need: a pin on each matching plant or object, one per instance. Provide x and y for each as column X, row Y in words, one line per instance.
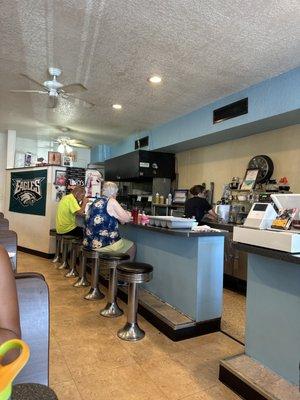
column 265, row 166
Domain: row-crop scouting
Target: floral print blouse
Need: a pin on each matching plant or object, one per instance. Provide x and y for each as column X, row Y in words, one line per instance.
column 101, row 228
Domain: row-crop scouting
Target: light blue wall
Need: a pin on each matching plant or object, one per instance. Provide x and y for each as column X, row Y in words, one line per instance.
column 272, row 104
column 100, row 153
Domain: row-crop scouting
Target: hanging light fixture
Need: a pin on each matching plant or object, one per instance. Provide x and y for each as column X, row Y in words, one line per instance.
column 61, row 148
column 68, row 148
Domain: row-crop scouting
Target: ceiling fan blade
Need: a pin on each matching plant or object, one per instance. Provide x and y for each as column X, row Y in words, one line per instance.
column 80, row 145
column 28, row 91
column 32, row 80
column 73, row 87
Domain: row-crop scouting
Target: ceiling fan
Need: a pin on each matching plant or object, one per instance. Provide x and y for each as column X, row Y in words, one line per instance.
column 66, row 144
column 55, row 89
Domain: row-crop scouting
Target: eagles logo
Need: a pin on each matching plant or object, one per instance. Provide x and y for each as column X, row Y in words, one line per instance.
column 27, row 191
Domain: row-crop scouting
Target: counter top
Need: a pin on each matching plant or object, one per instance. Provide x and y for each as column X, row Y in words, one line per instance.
column 226, row 226
column 270, row 253
column 176, row 232
column 35, row 167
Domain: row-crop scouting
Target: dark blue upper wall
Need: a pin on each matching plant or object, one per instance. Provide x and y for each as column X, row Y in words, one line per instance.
column 272, row 104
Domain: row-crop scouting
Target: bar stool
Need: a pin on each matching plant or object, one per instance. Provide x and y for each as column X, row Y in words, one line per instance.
column 58, row 239
column 133, row 273
column 112, row 309
column 75, row 249
column 82, row 281
column 66, row 244
column 94, row 292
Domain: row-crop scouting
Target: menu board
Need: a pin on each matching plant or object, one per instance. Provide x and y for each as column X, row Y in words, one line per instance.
column 74, row 177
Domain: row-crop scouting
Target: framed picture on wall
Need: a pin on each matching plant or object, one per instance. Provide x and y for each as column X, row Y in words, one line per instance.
column 54, row 158
column 249, row 179
column 67, row 161
column 60, row 178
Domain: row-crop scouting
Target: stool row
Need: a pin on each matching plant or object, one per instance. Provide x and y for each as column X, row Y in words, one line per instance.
column 132, row 273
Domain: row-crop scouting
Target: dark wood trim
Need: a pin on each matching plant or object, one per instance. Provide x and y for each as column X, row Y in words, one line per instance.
column 201, row 328
column 35, row 252
column 235, row 284
column 240, row 387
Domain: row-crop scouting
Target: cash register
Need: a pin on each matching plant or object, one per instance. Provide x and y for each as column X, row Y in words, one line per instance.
column 257, row 229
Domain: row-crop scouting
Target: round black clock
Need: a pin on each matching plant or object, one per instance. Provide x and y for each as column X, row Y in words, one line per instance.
column 265, row 166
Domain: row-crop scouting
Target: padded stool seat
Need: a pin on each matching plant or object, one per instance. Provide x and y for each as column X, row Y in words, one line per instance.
column 113, row 256
column 112, row 310
column 135, row 268
column 133, row 273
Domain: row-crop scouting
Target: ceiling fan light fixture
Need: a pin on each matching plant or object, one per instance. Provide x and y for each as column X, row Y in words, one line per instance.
column 69, row 149
column 61, row 148
column 155, row 79
column 117, row 106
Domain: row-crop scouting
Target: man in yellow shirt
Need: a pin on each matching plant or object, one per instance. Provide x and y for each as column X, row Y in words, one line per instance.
column 67, row 209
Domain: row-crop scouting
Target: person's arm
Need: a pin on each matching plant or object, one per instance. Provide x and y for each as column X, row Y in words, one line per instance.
column 116, row 210
column 9, row 308
column 212, row 215
column 81, row 210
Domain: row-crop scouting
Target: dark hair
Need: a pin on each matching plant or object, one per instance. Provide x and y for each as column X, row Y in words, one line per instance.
column 195, row 190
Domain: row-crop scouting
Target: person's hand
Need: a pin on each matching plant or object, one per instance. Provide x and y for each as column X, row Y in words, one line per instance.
column 85, row 200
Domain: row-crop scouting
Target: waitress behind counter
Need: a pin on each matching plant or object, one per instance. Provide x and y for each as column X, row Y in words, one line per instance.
column 198, row 206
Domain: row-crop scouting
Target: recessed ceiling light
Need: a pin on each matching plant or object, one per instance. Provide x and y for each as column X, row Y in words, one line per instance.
column 154, row 79
column 117, row 106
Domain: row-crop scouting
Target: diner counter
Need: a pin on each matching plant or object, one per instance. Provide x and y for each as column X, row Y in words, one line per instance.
column 270, row 253
column 177, row 232
column 187, row 268
column 273, row 302
column 226, row 226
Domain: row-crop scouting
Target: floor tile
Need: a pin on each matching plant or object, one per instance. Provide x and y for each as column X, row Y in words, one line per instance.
column 88, row 360
column 67, row 391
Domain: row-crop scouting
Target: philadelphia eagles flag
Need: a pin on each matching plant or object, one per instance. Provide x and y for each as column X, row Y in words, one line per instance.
column 28, row 192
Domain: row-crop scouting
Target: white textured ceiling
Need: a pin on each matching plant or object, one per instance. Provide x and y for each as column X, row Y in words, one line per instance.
column 203, row 49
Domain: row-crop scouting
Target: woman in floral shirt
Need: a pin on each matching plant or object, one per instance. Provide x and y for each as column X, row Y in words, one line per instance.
column 102, row 220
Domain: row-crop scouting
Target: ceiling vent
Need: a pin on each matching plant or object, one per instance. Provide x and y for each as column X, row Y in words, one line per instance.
column 140, row 143
column 232, row 110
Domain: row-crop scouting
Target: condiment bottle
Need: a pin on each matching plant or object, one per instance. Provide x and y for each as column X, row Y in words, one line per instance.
column 169, row 202
column 157, row 198
column 161, row 199
column 135, row 215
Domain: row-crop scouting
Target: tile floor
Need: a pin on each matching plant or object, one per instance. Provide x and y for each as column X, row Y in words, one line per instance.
column 88, row 361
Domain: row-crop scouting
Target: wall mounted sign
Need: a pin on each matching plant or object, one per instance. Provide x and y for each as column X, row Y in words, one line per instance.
column 74, row 177
column 28, row 192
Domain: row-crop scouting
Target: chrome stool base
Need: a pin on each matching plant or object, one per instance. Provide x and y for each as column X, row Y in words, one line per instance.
column 56, row 259
column 64, row 265
column 94, row 294
column 72, row 273
column 81, row 282
column 131, row 332
column 111, row 310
